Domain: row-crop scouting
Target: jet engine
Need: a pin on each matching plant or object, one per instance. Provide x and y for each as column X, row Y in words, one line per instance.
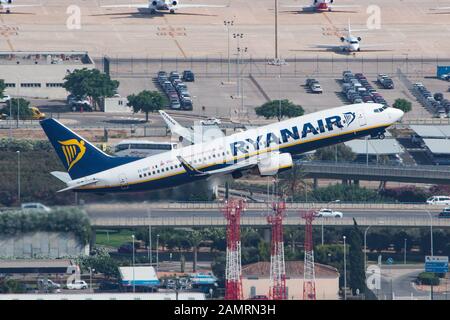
column 359, row 38
column 174, row 3
column 154, row 3
column 342, row 39
column 274, row 163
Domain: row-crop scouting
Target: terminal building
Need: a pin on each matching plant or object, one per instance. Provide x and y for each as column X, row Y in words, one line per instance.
column 40, row 74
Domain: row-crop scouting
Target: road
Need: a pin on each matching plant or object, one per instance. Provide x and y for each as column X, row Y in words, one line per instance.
column 209, row 214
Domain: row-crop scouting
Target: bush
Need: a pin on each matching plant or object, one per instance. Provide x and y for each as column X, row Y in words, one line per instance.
column 406, row 194
column 403, row 105
column 428, row 278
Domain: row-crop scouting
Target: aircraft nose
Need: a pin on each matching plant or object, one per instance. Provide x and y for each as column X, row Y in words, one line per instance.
column 396, row 114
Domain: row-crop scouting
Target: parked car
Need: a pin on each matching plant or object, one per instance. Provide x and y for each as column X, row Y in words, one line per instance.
column 48, row 284
column 439, row 200
column 316, row 88
column 329, row 213
column 188, row 76
column 5, row 98
column 77, row 285
column 125, row 248
column 35, row 206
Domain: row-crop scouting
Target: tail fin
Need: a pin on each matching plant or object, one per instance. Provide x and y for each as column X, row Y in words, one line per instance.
column 175, row 127
column 79, row 157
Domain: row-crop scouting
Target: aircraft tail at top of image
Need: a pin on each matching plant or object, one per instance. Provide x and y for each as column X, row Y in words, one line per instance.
column 267, row 149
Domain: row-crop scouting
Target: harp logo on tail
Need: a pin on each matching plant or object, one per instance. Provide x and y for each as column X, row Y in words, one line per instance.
column 73, row 151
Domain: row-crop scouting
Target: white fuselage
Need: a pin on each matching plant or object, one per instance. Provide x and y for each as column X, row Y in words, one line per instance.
column 295, row 135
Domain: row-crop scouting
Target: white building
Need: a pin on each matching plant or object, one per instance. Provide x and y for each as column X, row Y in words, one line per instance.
column 40, row 74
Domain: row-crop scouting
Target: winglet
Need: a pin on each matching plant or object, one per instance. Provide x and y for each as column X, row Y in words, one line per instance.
column 190, row 169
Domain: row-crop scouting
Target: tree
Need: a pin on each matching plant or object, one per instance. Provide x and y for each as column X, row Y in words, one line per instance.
column 21, row 104
column 403, row 105
column 272, row 108
column 339, row 152
column 90, row 83
column 196, row 239
column 356, row 257
column 2, row 87
column 146, row 101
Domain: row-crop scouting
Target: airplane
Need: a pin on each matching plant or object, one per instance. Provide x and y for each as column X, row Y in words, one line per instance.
column 6, row 5
column 441, row 9
column 320, row 6
column 350, row 42
column 154, row 6
column 264, row 150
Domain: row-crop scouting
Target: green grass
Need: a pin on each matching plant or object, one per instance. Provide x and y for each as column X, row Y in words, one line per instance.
column 116, row 237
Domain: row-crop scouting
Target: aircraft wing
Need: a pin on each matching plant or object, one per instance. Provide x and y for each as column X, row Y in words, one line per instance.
column 297, row 6
column 134, row 5
column 176, row 128
column 241, row 165
column 18, row 5
column 182, row 6
column 440, row 8
column 343, row 6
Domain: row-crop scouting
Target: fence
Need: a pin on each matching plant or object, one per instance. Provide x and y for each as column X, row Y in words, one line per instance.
column 218, row 66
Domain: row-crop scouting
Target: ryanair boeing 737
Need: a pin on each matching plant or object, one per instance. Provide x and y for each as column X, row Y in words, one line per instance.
column 266, row 150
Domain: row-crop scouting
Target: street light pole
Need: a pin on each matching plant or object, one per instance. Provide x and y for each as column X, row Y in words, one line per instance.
column 228, row 23
column 18, row 176
column 404, row 254
column 150, row 258
column 157, row 252
column 345, row 272
column 431, row 230
column 365, row 249
column 238, row 56
column 134, row 281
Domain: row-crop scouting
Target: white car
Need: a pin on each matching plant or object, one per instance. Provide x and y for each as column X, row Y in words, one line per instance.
column 35, row 206
column 210, row 122
column 5, row 98
column 439, row 200
column 328, row 213
column 77, row 285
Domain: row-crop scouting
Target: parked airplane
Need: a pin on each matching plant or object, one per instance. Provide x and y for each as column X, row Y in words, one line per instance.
column 266, row 150
column 350, row 42
column 6, row 5
column 154, row 6
column 320, row 6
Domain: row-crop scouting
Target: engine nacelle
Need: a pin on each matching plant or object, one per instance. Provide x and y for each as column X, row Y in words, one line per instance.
column 274, row 163
column 359, row 38
column 342, row 39
column 174, row 3
column 154, row 3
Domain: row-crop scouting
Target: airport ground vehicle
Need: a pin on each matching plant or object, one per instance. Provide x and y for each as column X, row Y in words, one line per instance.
column 329, row 213
column 439, row 200
column 35, row 206
column 142, row 148
column 37, row 114
column 77, row 285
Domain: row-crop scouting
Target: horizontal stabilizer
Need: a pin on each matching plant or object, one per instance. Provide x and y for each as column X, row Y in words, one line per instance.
column 63, row 176
column 79, row 184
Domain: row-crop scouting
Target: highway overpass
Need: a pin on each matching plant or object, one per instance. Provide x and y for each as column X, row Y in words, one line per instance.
column 372, row 172
column 128, row 215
